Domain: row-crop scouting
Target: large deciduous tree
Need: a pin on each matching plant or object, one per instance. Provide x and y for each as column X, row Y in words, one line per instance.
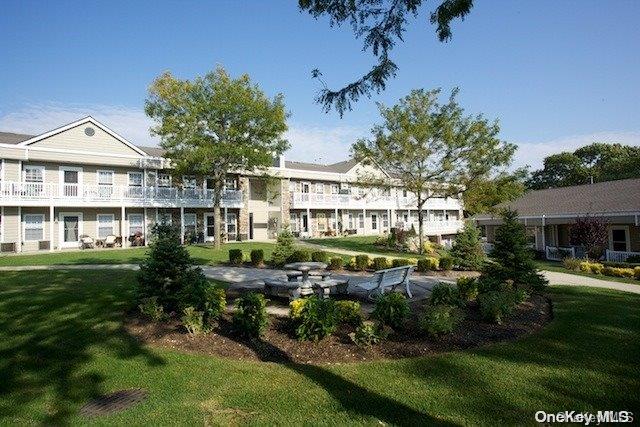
column 380, row 23
column 483, row 194
column 215, row 125
column 591, row 233
column 432, row 149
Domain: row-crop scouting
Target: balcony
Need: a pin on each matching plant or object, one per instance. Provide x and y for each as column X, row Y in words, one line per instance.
column 434, row 226
column 369, row 201
column 38, row 194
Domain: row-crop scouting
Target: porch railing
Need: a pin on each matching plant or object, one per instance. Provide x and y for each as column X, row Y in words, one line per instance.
column 619, row 256
column 558, row 253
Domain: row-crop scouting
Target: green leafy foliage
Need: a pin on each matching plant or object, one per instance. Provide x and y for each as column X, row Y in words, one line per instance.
column 318, row 319
column 495, row 305
column 236, row 257
column 283, row 249
column 440, row 319
column 257, row 257
column 571, row 263
column 215, row 303
column 484, row 193
column 193, row 321
column 250, row 317
column 400, row 262
column 299, row 255
column 368, row 333
column 391, row 309
column 361, row 262
column 320, row 256
column 446, row 262
column 380, row 263
column 428, row 264
column 150, row 308
column 592, row 233
column 467, row 252
column 335, row 263
column 467, row 288
column 444, row 294
column 349, row 312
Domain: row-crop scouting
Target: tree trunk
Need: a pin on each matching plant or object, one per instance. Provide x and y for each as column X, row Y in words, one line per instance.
column 420, row 234
column 217, row 197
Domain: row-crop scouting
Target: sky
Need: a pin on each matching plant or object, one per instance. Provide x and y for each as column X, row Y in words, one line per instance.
column 556, row 74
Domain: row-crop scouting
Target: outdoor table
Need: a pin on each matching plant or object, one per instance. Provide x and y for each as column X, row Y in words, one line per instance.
column 306, row 285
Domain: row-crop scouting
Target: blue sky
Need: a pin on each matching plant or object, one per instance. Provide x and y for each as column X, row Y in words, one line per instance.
column 557, row 74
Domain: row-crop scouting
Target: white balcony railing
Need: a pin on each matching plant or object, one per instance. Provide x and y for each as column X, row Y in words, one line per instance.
column 619, row 256
column 368, row 201
column 138, row 196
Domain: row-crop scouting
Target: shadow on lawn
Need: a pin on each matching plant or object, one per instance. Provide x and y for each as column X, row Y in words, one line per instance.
column 50, row 326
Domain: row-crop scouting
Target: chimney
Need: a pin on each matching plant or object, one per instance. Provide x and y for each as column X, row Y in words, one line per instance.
column 281, row 161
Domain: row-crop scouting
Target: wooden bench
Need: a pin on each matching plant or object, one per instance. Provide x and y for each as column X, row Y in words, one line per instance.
column 276, row 287
column 389, row 278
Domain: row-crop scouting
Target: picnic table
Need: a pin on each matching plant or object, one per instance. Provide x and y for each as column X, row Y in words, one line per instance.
column 306, row 285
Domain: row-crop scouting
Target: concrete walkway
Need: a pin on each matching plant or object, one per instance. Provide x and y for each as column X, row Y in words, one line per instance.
column 567, row 279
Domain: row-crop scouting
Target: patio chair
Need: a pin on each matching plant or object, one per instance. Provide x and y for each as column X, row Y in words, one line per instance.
column 86, row 242
column 110, row 241
column 389, row 278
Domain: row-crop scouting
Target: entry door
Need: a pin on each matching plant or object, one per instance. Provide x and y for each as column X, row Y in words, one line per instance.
column 250, row 226
column 70, row 229
column 305, row 223
column 209, row 232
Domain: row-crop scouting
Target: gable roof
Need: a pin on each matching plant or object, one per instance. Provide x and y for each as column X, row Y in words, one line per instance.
column 340, row 167
column 152, row 151
column 610, row 197
column 87, row 119
column 13, row 138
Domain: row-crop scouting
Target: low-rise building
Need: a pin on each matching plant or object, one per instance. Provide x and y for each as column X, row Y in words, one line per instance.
column 85, row 179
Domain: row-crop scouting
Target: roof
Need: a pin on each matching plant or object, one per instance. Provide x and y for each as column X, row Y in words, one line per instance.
column 13, row 138
column 610, row 197
column 152, row 151
column 340, row 167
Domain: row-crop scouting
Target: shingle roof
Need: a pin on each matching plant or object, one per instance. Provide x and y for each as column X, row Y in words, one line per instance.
column 152, row 151
column 13, row 138
column 600, row 198
column 340, row 167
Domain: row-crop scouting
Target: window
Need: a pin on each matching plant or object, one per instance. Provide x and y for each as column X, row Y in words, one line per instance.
column 319, row 188
column 335, row 189
column 374, row 222
column 189, row 181
column 33, row 227
column 619, row 239
column 334, row 224
column 164, row 180
column 152, row 178
column 350, row 216
column 292, row 187
column 385, row 220
column 404, row 193
column 360, row 220
column 230, row 184
column 105, row 225
column 405, row 218
column 34, row 173
column 190, row 223
column 231, row 223
column 135, row 179
column 136, row 224
column 163, row 218
column 305, row 187
column 322, row 221
column 105, row 177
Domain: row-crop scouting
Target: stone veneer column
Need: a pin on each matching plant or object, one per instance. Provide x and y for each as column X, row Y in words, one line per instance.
column 243, row 217
column 285, row 203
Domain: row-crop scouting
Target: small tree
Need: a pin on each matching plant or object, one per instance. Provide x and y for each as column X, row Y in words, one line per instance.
column 512, row 254
column 467, row 249
column 169, row 274
column 216, row 125
column 284, row 248
column 431, row 149
column 592, row 234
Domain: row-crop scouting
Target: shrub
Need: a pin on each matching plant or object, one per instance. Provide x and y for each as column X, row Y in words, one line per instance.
column 193, row 292
column 636, row 272
column 400, row 262
column 150, row 308
column 192, row 320
column 335, row 263
column 446, row 263
column 367, row 334
column 571, row 263
column 215, row 303
column 633, row 259
column 300, row 255
column 361, row 262
column 428, row 264
column 467, row 252
column 520, row 296
column 618, row 272
column 235, row 257
column 318, row 319
column 168, row 271
column 444, row 294
column 391, row 309
column 257, row 257
column 495, row 305
column 251, row 317
column 295, row 308
column 596, row 268
column 467, row 288
column 283, row 249
column 440, row 319
column 348, row 312
column 380, row 263
column 320, row 256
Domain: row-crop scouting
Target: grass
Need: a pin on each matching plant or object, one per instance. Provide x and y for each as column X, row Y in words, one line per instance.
column 61, row 342
column 361, row 244
column 558, row 267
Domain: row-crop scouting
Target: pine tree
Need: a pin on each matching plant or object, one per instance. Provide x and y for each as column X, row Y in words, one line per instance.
column 467, row 250
column 284, row 248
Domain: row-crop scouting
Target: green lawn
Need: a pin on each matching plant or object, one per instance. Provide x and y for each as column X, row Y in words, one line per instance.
column 61, row 342
column 557, row 266
column 360, row 244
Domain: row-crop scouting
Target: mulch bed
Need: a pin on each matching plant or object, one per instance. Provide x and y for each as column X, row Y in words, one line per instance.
column 280, row 345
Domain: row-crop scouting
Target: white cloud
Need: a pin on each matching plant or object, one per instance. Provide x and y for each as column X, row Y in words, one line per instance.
column 533, row 153
column 318, row 144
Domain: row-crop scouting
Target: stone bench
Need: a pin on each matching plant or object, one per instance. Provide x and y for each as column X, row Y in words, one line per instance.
column 276, row 287
column 324, row 288
column 292, row 276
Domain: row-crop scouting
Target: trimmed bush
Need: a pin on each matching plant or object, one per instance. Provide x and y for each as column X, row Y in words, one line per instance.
column 444, row 294
column 320, row 256
column 235, row 257
column 348, row 312
column 618, row 272
column 467, row 288
column 446, row 263
column 283, row 249
column 215, row 303
column 467, row 252
column 361, row 262
column 150, row 308
column 367, row 334
column 193, row 321
column 299, row 255
column 400, row 262
column 428, row 264
column 440, row 319
column 380, row 263
column 257, row 257
column 250, row 317
column 571, row 263
column 495, row 305
column 636, row 272
column 596, row 268
column 335, row 263
column 318, row 319
column 295, row 308
column 391, row 309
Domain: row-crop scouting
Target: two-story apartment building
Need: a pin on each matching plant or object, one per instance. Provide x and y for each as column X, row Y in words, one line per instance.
column 85, row 179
